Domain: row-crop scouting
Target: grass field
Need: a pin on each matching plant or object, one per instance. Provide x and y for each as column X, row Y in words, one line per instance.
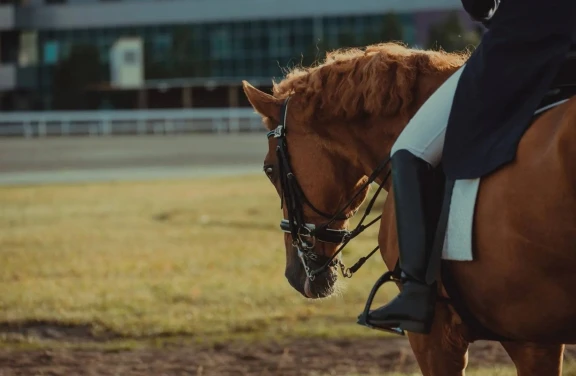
column 134, row 264
column 202, row 258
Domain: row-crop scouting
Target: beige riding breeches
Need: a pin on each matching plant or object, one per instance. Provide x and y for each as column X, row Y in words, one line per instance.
column 424, row 134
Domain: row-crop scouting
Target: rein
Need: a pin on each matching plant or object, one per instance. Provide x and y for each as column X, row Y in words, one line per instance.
column 305, row 235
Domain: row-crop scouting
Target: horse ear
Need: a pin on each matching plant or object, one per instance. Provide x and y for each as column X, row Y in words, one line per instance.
column 265, row 104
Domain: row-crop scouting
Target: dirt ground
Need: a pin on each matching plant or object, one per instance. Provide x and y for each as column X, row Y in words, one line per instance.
column 89, row 159
column 302, row 357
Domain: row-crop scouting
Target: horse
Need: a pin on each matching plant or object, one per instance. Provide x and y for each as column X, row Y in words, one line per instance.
column 342, row 118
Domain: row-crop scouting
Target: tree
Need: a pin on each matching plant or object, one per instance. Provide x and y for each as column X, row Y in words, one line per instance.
column 346, row 38
column 183, row 52
column 180, row 60
column 391, row 28
column 313, row 54
column 73, row 75
column 451, row 36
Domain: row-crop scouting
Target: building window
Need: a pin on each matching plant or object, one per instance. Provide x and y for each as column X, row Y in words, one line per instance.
column 279, row 41
column 409, row 31
column 51, row 52
column 220, row 44
column 161, row 46
column 104, row 50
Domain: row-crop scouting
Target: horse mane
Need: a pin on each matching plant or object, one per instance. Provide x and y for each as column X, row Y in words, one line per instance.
column 379, row 80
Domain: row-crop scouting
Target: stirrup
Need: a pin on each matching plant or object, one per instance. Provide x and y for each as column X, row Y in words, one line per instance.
column 363, row 318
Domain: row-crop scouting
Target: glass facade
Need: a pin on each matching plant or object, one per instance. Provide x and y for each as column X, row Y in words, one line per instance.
column 223, row 50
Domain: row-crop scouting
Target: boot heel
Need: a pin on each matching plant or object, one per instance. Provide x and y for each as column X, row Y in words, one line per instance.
column 392, row 327
column 416, row 327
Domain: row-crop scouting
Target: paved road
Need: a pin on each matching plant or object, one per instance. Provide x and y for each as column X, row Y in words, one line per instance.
column 57, row 160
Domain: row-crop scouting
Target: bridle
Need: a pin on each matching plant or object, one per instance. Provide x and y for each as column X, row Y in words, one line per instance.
column 306, row 235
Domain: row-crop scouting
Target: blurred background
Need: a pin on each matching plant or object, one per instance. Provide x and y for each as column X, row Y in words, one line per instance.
column 137, row 54
column 138, row 235
column 139, row 67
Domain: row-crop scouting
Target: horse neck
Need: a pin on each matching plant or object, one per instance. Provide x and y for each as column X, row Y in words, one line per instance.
column 374, row 140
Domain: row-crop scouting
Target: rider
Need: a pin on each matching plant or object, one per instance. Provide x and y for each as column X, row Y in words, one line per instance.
column 473, row 123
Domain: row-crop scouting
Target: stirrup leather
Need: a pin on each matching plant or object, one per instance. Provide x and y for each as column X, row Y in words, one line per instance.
column 363, row 319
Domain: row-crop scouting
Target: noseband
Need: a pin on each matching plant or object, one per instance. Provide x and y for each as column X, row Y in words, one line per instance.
column 306, row 235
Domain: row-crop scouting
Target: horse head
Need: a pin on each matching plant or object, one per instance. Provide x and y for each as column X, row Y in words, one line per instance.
column 330, row 128
column 313, row 179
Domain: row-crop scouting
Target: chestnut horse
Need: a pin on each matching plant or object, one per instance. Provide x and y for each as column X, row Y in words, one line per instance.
column 342, row 119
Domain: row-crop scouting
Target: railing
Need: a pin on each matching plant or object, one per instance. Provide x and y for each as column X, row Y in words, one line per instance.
column 113, row 122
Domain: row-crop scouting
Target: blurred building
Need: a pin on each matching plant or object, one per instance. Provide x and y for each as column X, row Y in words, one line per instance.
column 103, row 54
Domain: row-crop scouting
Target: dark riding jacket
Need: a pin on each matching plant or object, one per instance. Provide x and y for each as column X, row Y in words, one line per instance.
column 504, row 80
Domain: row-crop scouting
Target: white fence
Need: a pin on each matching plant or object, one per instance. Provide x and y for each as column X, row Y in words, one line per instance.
column 105, row 123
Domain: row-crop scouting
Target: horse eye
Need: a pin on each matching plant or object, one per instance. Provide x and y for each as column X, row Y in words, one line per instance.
column 269, row 171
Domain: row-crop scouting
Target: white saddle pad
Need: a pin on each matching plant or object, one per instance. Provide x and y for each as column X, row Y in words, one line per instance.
column 458, row 238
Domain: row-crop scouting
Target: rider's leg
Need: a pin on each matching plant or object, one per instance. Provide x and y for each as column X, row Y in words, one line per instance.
column 416, row 151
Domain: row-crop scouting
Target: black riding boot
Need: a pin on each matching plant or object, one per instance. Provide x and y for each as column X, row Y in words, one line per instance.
column 413, row 308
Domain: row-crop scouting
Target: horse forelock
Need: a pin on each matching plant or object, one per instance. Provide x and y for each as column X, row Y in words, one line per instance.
column 379, row 80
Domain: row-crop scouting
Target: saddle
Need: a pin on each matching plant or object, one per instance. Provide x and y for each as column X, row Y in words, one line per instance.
column 563, row 88
column 564, row 85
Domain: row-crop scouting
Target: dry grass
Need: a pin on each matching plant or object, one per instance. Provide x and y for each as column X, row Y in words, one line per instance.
column 202, row 258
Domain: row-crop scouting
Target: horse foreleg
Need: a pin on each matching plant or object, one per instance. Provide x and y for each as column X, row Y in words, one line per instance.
column 442, row 352
column 535, row 359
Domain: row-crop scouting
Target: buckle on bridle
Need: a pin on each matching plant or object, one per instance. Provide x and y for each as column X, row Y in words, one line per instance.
column 279, row 131
column 306, row 237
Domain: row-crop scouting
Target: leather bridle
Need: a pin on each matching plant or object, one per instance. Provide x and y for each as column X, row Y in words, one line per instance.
column 305, row 235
